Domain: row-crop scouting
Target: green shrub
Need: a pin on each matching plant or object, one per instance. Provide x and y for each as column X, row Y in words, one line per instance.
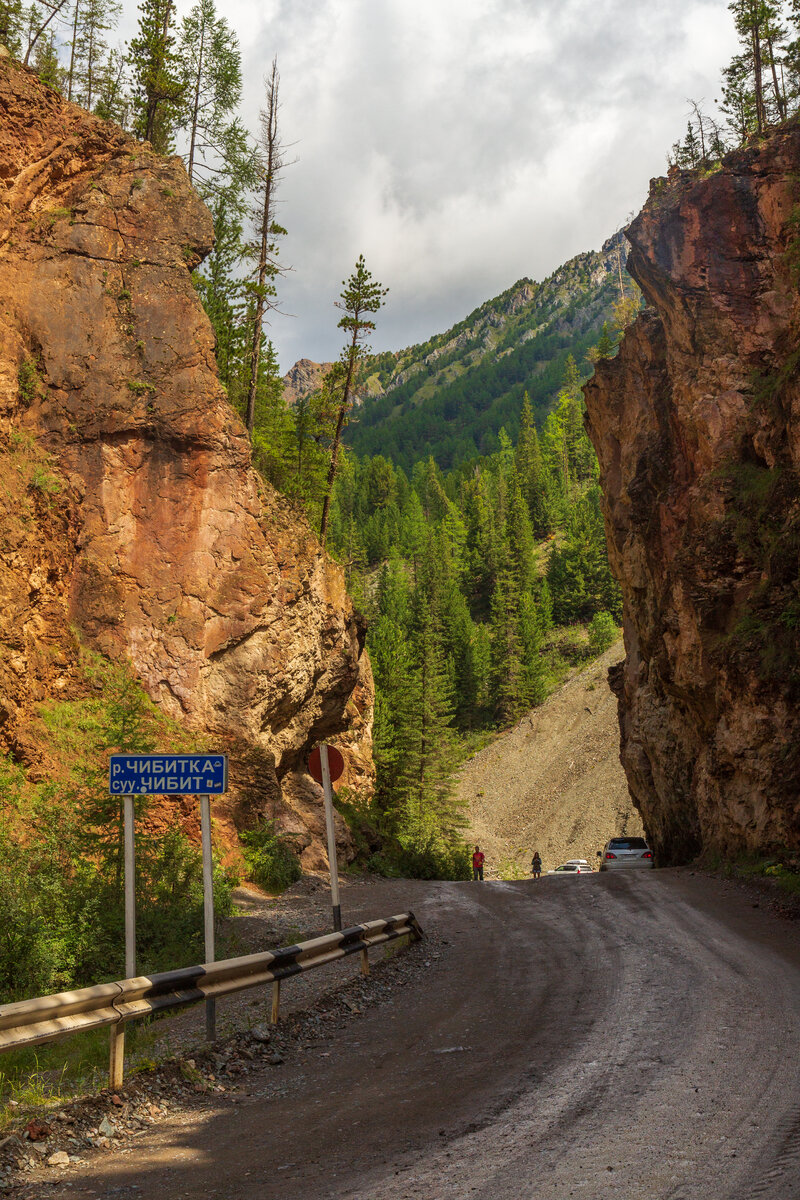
column 271, row 860
column 434, row 859
column 28, row 382
column 62, row 917
column 44, row 481
column 603, row 632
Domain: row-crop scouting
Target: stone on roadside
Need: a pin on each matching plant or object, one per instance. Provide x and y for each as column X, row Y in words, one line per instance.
column 59, row 1159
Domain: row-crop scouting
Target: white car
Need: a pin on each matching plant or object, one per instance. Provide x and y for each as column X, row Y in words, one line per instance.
column 575, row 866
column 626, row 854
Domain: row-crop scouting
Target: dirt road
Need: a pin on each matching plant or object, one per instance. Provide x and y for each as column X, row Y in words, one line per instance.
column 595, row 1036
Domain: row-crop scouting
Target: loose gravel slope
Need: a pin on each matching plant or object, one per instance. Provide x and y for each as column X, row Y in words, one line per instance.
column 554, row 782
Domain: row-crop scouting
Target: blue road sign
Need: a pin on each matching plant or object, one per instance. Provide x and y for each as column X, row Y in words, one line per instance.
column 172, row 774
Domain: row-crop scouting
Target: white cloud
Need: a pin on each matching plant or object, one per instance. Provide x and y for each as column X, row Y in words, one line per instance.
column 462, row 144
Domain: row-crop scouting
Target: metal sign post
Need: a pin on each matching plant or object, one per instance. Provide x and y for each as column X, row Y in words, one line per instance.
column 131, row 775
column 208, row 908
column 331, row 832
column 117, row 1044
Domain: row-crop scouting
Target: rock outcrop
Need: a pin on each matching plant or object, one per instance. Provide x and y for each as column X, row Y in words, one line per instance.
column 132, row 514
column 303, row 378
column 697, row 428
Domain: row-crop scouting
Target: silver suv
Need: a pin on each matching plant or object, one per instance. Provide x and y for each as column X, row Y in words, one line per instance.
column 626, row 854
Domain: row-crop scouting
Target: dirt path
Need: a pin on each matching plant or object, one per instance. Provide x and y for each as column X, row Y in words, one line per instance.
column 595, row 1036
column 554, row 782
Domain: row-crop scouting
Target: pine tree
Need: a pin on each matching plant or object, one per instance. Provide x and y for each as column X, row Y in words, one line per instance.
column 37, row 25
column 273, row 428
column 753, row 94
column 578, row 573
column 508, row 675
column 91, row 21
column 114, row 102
column 221, row 289
column 208, row 50
column 520, row 537
column 426, row 775
column 533, row 481
column 362, row 296
column 45, row 61
column 11, row 26
column 158, row 86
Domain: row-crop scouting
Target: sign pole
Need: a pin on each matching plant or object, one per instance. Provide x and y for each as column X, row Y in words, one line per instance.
column 208, row 908
column 130, row 889
column 329, row 828
column 116, row 1068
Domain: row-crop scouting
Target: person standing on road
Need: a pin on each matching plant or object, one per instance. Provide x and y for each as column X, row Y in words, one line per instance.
column 477, row 865
column 536, row 865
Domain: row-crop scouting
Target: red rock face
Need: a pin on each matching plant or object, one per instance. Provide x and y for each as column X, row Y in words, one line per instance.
column 170, row 549
column 697, row 427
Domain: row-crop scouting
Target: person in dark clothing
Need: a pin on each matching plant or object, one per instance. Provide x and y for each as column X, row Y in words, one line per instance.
column 477, row 864
column 536, row 865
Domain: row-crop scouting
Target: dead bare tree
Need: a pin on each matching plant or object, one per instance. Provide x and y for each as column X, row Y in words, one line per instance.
column 268, row 231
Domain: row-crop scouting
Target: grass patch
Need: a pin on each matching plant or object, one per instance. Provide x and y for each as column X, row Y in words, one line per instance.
column 783, row 870
column 139, row 388
column 46, row 1077
column 44, row 481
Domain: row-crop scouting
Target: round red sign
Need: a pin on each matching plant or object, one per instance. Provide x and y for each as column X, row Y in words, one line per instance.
column 335, row 763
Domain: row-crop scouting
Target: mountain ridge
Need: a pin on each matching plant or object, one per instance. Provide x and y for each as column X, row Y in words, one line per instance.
column 475, row 372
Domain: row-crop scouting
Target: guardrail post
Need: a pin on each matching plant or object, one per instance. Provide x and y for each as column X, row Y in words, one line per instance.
column 276, row 1001
column 208, row 907
column 365, row 961
column 116, row 1060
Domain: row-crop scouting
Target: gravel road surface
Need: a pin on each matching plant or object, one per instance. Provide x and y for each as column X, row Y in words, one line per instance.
column 596, row 1036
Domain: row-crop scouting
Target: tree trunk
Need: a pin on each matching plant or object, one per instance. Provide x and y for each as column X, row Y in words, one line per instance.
column 759, row 84
column 196, row 105
column 271, row 146
column 779, row 100
column 337, row 437
column 72, row 49
column 53, row 12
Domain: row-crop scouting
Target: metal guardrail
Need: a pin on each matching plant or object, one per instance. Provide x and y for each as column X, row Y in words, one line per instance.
column 30, row 1022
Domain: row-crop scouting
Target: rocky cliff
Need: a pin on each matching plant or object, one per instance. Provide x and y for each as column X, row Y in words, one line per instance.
column 131, row 518
column 304, row 377
column 697, row 428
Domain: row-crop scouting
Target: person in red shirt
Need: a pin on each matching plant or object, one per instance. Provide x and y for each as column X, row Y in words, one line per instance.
column 477, row 864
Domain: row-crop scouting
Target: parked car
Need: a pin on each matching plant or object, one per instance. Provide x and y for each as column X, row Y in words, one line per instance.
column 626, row 854
column 575, row 866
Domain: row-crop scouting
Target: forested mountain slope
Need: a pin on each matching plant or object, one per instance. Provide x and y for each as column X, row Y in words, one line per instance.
column 450, row 396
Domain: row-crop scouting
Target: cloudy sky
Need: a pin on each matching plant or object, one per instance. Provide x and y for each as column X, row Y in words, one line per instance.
column 462, row 144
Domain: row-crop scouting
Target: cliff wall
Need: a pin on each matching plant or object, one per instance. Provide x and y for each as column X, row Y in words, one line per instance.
column 697, row 427
column 130, row 513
